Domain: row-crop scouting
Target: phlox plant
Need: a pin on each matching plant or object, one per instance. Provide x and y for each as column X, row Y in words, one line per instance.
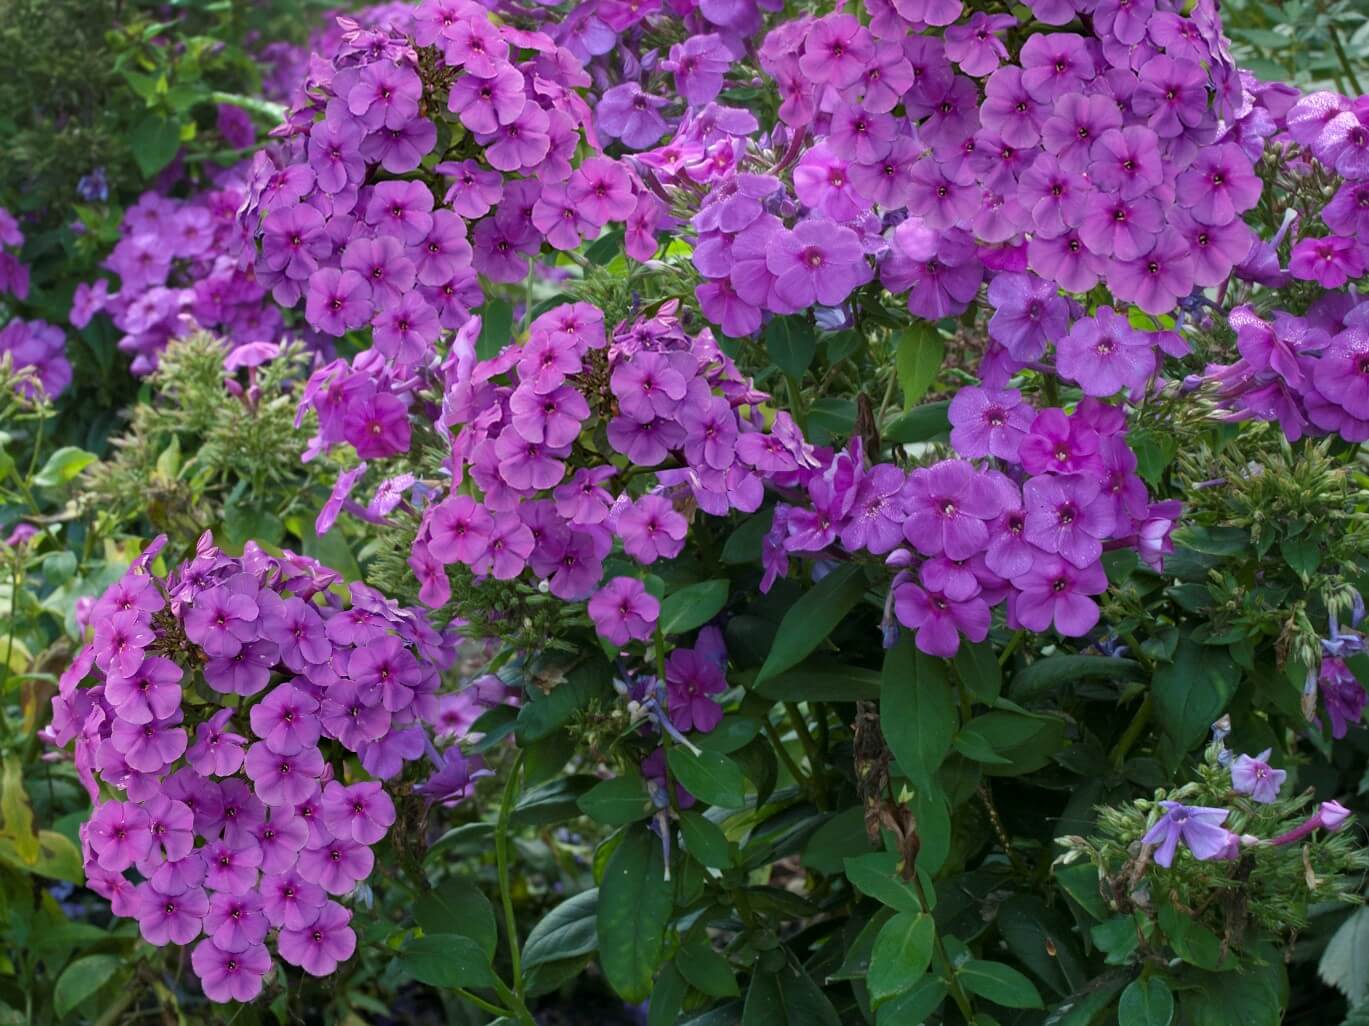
column 859, row 450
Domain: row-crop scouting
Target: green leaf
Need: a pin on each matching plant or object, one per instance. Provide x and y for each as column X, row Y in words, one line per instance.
column 693, row 606
column 1146, row 1002
column 1257, row 997
column 978, row 669
column 916, row 710
column 920, row 424
column 447, row 960
column 667, row 998
column 155, row 143
column 1302, row 554
column 914, row 1005
column 788, row 997
column 457, row 906
column 496, row 328
column 1042, row 939
column 63, row 465
column 918, row 355
column 550, row 712
column 617, row 802
column 567, row 931
column 1043, row 675
column 706, row 970
column 1191, row 941
column 636, row 902
column 903, row 951
column 555, row 801
column 709, row 776
column 791, row 343
column 81, row 979
column 876, row 875
column 1192, row 691
column 1025, row 742
column 999, row 983
column 1082, row 1008
column 813, row 617
column 705, row 840
column 1345, row 962
column 841, row 837
column 15, row 811
column 733, row 732
column 820, row 680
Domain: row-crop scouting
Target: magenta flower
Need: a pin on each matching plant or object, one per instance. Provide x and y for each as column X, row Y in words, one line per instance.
column 836, row 50
column 227, row 975
column 1254, row 776
column 1068, row 514
column 149, row 747
column 1028, row 312
column 1219, row 185
column 229, row 868
column 623, row 610
column 1104, row 353
column 320, row 946
column 119, row 835
column 170, row 918
column 221, row 619
column 377, row 425
column 361, row 811
column 818, row 261
column 938, row 620
column 484, row 104
column 1198, row 827
column 1054, row 590
column 989, row 422
column 651, row 529
column 691, row 679
column 337, row 865
column 289, row 901
column 286, row 720
column 152, row 692
column 246, row 671
column 459, row 530
column 699, row 63
column 120, row 641
column 283, row 779
column 235, row 921
column 948, row 505
column 1329, row 261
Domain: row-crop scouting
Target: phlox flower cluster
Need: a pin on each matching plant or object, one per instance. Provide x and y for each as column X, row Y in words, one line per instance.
column 346, row 226
column 213, row 712
column 1121, row 154
column 32, row 345
column 179, row 270
column 531, row 494
column 1021, row 518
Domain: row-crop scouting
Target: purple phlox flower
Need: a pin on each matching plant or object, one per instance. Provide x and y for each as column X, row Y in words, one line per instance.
column 1028, row 312
column 627, row 113
column 989, row 422
column 289, row 901
column 230, row 975
column 1068, row 514
column 282, row 779
column 819, row 261
column 1342, row 694
column 691, row 680
column 152, row 692
column 235, row 921
column 319, row 947
column 286, row 720
column 1055, row 591
column 361, row 811
column 948, row 505
column 623, row 610
column 119, row 835
column 1254, row 776
column 975, row 45
column 453, row 781
column 1200, row 829
column 120, row 641
column 699, row 64
column 938, row 620
column 170, row 918
column 651, row 529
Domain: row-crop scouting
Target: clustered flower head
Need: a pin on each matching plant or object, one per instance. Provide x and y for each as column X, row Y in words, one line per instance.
column 220, row 708
column 351, row 220
column 33, row 346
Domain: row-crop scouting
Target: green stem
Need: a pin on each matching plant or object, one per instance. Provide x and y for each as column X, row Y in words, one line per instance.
column 958, row 995
column 520, row 1008
column 501, row 856
column 783, row 753
column 1344, row 59
column 1133, row 731
column 1013, row 643
column 816, row 764
column 479, row 1002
